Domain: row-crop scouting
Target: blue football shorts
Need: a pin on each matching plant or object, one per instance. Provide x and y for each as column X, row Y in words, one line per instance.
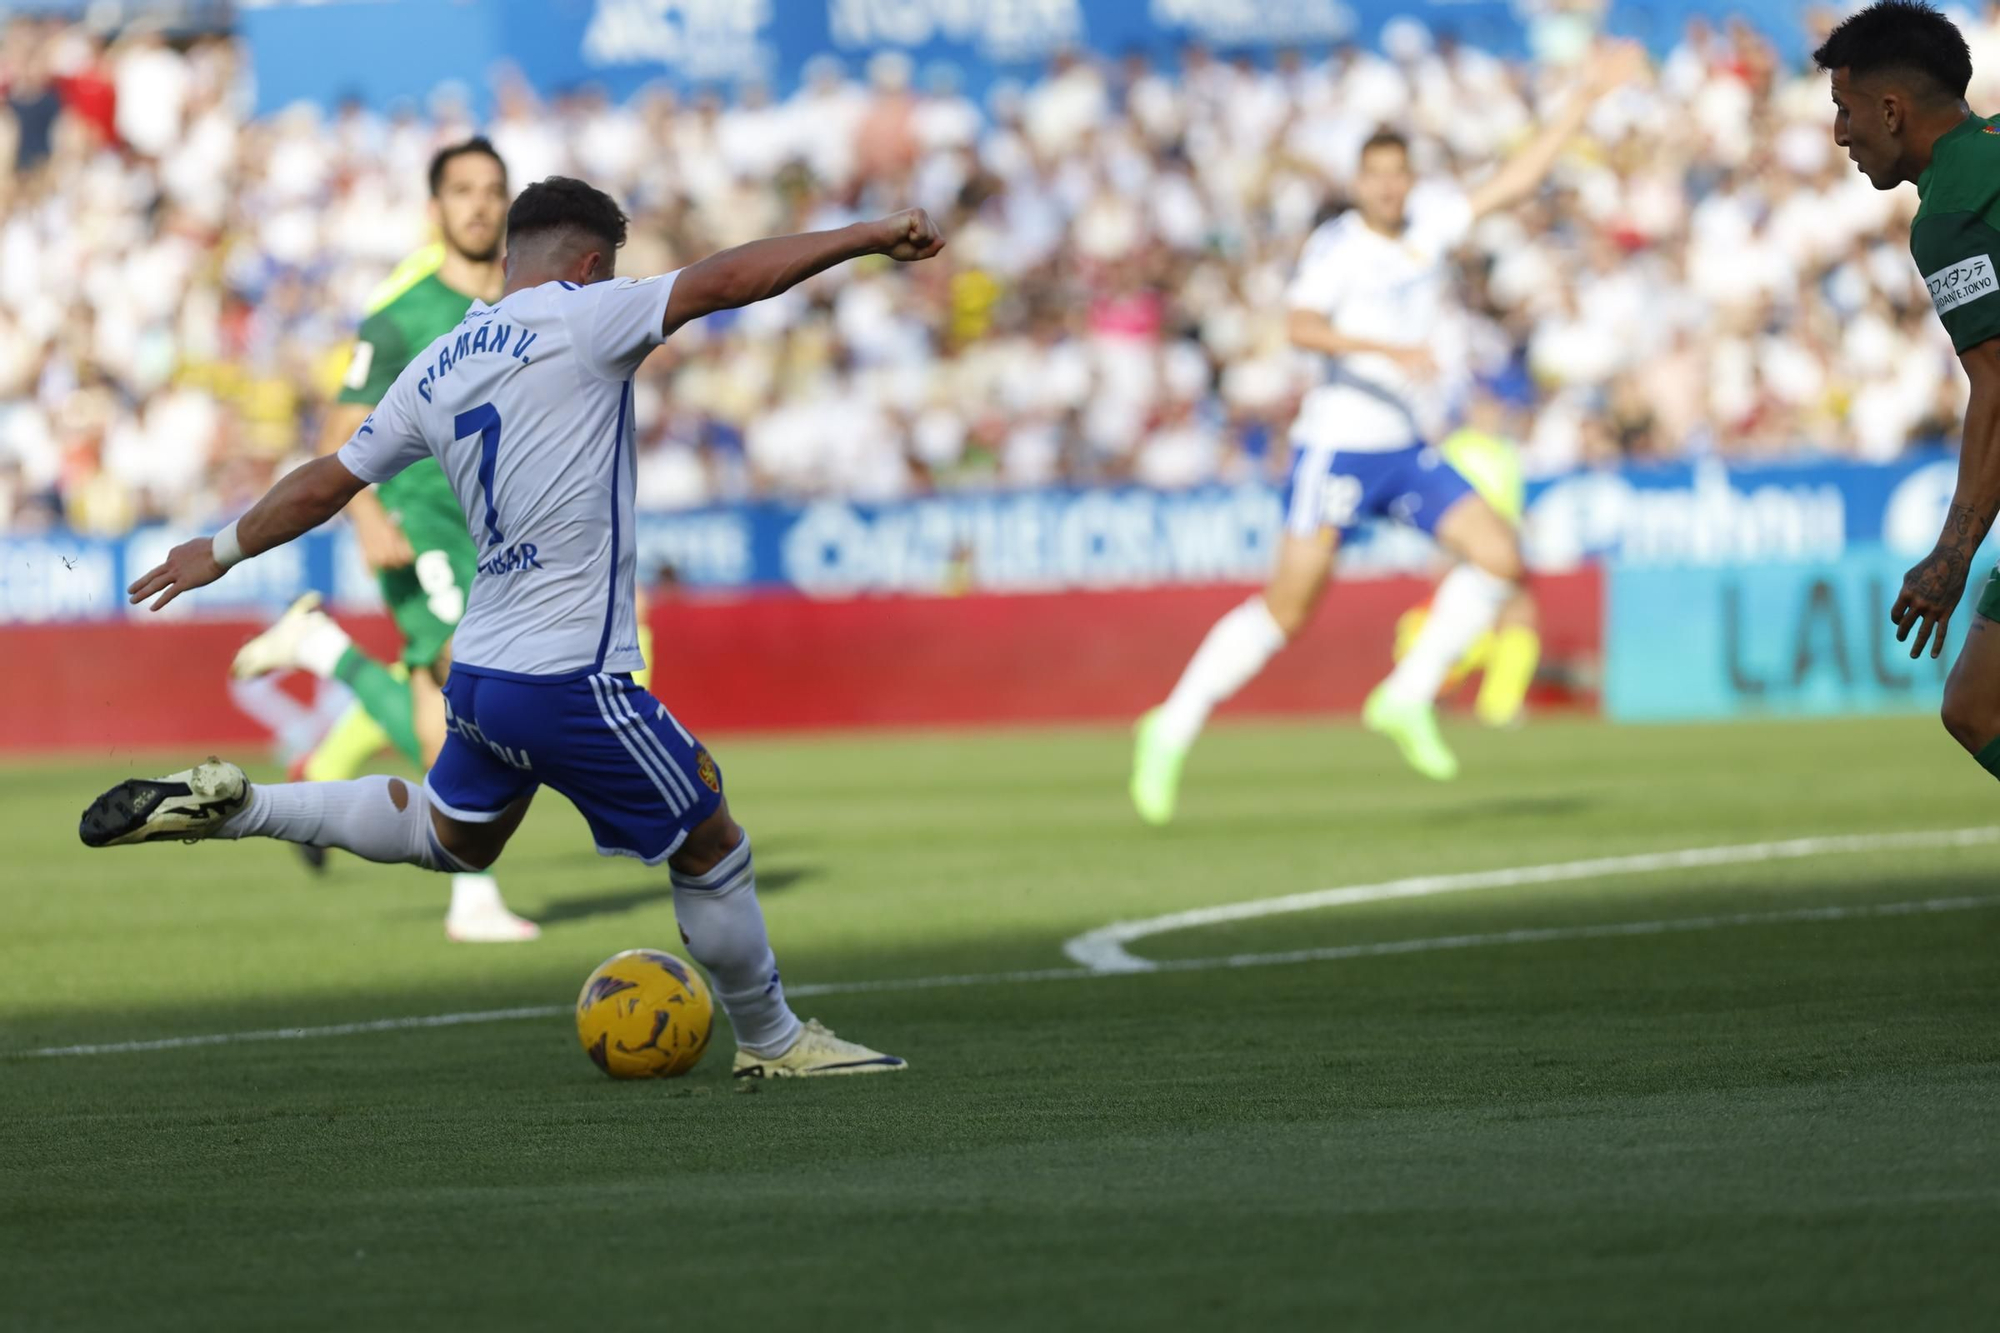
column 1341, row 489
column 636, row 775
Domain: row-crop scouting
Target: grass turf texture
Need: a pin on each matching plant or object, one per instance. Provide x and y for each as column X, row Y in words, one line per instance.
column 1783, row 1125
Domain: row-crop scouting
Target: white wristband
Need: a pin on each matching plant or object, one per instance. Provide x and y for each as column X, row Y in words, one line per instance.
column 227, row 549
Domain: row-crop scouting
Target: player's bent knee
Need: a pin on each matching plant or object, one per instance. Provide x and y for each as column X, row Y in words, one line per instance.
column 1971, row 709
column 1479, row 536
column 1505, row 562
column 1290, row 602
column 1971, row 720
column 1289, row 614
column 472, row 846
column 1498, row 552
column 707, row 844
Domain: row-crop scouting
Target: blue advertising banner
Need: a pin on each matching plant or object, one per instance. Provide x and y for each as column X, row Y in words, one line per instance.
column 1704, row 512
column 1701, row 513
column 1044, row 541
column 1797, row 638
column 379, row 50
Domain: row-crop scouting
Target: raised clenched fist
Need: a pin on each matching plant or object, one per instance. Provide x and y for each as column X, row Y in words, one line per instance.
column 910, row 235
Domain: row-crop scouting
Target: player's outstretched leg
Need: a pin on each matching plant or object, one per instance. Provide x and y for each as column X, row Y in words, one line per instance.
column 345, row 752
column 306, row 638
column 376, row 818
column 1234, row 651
column 1467, row 603
column 715, row 900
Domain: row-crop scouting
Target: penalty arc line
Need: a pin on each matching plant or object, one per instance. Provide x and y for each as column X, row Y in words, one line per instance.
column 1335, row 953
column 1103, row 949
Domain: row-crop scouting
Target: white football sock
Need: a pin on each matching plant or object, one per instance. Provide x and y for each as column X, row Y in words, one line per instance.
column 1232, row 654
column 475, row 895
column 377, row 818
column 724, row 929
column 321, row 646
column 1466, row 605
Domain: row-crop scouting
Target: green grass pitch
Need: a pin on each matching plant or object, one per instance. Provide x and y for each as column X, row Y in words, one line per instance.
column 1788, row 1119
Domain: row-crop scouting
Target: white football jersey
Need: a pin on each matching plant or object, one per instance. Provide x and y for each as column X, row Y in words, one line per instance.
column 527, row 405
column 1389, row 290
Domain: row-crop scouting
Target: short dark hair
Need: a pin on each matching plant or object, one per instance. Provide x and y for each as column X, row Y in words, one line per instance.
column 477, row 144
column 1903, row 36
column 1386, row 138
column 561, row 202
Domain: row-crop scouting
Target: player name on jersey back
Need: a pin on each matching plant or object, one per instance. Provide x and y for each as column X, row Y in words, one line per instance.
column 527, row 406
column 490, row 336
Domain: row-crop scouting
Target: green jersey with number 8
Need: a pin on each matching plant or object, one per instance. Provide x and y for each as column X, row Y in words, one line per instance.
column 427, row 598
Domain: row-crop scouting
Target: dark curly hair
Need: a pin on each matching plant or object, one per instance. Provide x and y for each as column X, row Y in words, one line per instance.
column 561, row 203
column 1906, row 36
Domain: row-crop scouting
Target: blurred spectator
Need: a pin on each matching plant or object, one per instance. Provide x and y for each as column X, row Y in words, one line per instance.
column 178, row 281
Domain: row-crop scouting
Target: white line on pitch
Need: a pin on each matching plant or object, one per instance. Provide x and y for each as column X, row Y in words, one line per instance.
column 1103, row 949
column 1432, row 944
column 302, row 1034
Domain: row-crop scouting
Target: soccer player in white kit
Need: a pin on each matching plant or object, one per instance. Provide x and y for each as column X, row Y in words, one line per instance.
column 527, row 405
column 1371, row 297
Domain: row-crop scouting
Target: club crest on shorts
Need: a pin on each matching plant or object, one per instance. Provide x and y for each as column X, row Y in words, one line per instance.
column 705, row 769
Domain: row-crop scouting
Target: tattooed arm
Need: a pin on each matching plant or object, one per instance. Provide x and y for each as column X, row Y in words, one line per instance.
column 1933, row 586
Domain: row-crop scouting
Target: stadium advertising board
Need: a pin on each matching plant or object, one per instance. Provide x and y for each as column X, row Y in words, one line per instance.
column 1093, row 540
column 1792, row 638
column 324, row 50
column 793, row 663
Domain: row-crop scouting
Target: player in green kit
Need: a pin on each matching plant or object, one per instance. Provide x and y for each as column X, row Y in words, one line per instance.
column 1900, row 70
column 410, row 529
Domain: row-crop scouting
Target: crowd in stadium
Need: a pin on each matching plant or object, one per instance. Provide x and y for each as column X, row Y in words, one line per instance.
column 1708, row 274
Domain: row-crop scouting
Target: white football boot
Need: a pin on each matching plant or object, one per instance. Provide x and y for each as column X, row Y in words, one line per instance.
column 305, row 637
column 817, row 1052
column 189, row 805
column 478, row 916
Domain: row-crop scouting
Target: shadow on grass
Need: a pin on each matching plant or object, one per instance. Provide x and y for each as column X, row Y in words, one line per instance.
column 1529, row 807
column 626, row 900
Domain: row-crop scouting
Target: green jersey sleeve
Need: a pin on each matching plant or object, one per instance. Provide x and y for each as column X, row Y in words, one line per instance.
column 1956, row 252
column 380, row 353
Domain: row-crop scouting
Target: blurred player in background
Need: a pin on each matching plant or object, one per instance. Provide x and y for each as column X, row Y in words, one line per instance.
column 1899, row 74
column 410, row 529
column 1505, row 656
column 529, row 410
column 1372, row 297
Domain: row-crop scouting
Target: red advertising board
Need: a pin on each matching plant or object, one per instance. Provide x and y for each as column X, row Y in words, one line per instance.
column 789, row 663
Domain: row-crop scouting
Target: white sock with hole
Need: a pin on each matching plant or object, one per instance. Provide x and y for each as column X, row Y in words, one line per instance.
column 377, row 818
column 724, row 928
column 321, row 646
column 1228, row 659
column 1466, row 605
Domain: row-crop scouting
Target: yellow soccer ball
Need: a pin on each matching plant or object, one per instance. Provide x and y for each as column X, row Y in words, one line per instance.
column 644, row 1014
